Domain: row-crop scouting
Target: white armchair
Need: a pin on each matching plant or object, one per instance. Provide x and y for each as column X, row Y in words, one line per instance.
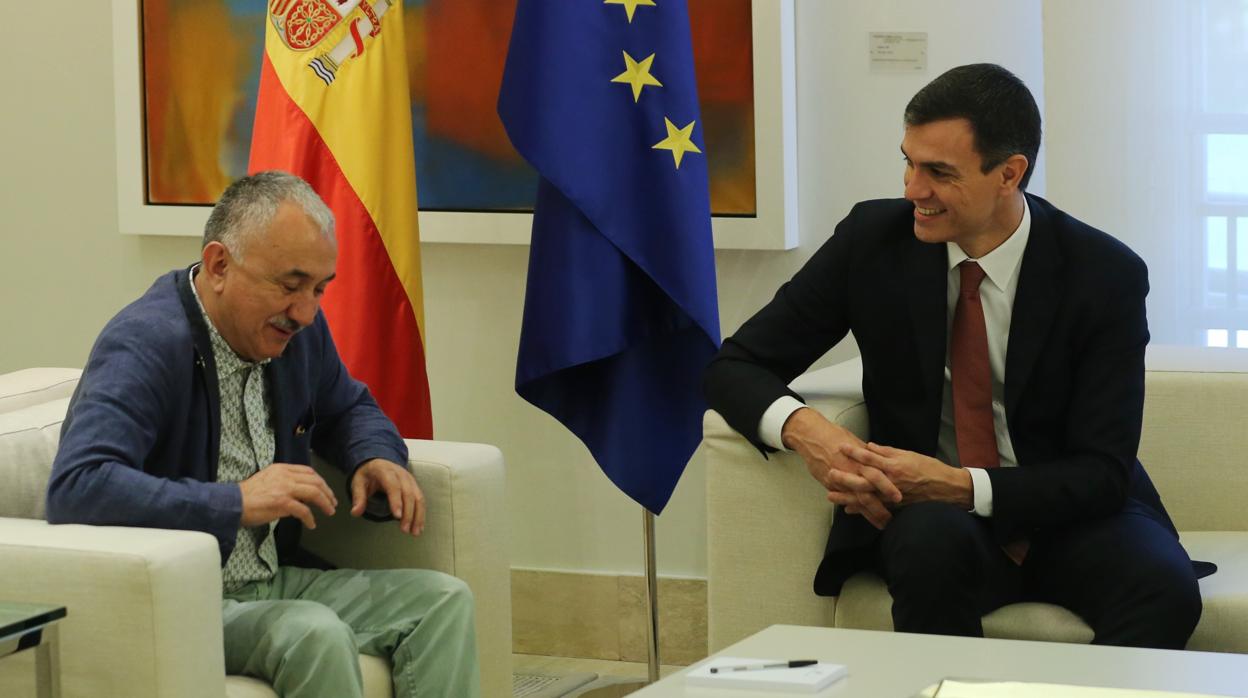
column 144, row 605
column 768, row 520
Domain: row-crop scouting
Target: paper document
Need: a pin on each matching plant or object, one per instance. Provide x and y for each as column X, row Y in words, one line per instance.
column 809, row 679
column 1017, row 689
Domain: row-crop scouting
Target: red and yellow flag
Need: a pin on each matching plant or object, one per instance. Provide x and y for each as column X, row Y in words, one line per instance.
column 334, row 108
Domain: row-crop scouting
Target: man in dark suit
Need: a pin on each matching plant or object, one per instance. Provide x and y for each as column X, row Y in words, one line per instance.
column 1002, row 345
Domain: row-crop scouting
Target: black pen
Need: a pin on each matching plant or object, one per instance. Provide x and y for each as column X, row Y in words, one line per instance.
column 791, row 664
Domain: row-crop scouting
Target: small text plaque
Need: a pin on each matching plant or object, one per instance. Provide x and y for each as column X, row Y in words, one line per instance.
column 897, row 52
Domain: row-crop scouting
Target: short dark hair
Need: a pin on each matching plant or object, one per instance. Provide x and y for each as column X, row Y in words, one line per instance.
column 1003, row 114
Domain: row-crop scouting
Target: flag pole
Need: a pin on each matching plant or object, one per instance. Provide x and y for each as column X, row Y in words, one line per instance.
column 652, row 620
column 652, row 596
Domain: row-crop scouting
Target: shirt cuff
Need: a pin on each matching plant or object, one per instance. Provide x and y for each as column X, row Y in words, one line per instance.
column 982, row 486
column 771, row 426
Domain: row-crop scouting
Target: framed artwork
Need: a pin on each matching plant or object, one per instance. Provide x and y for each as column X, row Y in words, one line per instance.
column 186, row 74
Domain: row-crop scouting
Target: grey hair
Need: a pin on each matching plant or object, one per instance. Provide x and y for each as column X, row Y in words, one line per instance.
column 248, row 206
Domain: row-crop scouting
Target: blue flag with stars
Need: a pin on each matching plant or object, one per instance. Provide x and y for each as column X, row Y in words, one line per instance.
column 620, row 312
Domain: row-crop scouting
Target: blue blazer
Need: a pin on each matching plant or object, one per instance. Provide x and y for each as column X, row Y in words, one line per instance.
column 140, row 443
column 1074, row 374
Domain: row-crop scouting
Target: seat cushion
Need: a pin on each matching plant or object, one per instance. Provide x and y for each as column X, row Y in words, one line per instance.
column 247, row 687
column 31, row 386
column 1223, row 623
column 865, row 604
column 28, row 440
column 377, row 683
column 376, row 673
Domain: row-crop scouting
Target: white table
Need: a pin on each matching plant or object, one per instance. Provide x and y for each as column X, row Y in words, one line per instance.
column 899, row 665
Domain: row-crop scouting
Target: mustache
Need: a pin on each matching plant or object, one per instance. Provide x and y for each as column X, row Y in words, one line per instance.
column 285, row 323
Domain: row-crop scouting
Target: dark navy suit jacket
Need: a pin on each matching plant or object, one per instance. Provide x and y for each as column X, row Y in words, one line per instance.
column 1074, row 374
column 139, row 446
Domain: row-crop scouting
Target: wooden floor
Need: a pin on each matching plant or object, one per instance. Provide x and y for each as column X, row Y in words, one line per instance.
column 522, row 663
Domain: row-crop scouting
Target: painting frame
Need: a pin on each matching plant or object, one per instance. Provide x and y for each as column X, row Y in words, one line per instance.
column 773, row 227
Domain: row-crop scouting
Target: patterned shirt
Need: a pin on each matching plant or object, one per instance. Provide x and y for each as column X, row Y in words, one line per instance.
column 247, row 445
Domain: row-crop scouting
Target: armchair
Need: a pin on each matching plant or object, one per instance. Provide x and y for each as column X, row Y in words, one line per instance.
column 145, row 604
column 768, row 519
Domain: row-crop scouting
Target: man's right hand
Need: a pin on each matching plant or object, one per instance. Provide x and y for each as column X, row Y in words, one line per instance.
column 284, row 489
column 860, row 489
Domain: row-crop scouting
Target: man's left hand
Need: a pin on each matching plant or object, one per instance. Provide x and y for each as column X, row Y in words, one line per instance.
column 407, row 502
column 920, row 478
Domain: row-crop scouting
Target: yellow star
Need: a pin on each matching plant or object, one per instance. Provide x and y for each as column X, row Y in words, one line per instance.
column 630, row 6
column 677, row 141
column 637, row 74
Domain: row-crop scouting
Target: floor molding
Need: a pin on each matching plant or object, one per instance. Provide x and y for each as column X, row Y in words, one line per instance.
column 601, row 616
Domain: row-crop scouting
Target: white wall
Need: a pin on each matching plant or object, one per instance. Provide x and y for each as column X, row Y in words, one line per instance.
column 1120, row 96
column 64, row 268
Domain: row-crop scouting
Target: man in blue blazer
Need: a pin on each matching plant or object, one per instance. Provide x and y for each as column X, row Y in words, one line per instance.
column 199, row 409
column 1002, row 344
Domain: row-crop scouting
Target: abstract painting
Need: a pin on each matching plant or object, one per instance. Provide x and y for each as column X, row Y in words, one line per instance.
column 201, row 65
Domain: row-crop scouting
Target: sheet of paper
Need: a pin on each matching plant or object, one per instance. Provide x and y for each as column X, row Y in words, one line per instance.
column 1017, row 689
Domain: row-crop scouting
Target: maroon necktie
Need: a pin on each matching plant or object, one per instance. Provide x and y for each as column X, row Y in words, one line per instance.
column 972, row 375
column 972, row 386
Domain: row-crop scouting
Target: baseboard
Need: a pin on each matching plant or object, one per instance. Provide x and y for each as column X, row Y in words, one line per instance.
column 602, row 616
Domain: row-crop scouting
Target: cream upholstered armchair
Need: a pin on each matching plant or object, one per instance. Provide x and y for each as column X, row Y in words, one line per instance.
column 768, row 519
column 144, row 605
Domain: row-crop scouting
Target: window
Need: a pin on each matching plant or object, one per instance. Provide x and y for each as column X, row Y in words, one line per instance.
column 1221, row 139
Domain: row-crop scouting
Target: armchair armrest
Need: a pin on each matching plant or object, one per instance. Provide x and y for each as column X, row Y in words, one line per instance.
column 144, row 607
column 768, row 520
column 465, row 535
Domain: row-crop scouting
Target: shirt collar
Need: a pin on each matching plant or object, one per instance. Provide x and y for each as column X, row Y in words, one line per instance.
column 1001, row 265
column 228, row 361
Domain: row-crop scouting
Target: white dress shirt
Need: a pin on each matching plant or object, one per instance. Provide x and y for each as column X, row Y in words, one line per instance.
column 997, row 295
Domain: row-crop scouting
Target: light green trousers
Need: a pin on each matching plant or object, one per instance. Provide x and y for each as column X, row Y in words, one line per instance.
column 303, row 630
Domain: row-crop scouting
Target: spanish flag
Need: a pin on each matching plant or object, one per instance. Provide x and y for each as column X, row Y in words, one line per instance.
column 334, row 108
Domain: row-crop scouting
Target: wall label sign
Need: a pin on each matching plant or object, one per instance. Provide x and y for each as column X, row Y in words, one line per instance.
column 897, row 52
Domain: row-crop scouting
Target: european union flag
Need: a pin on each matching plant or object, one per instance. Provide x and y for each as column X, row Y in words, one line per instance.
column 620, row 315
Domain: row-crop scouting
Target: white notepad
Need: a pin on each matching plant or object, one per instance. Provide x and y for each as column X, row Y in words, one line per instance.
column 950, row 688
column 809, row 679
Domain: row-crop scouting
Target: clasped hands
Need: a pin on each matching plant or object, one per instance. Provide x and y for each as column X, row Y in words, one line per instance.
column 867, row 478
column 285, row 489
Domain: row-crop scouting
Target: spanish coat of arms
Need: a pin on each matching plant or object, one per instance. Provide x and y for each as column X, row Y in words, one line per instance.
column 303, row 24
